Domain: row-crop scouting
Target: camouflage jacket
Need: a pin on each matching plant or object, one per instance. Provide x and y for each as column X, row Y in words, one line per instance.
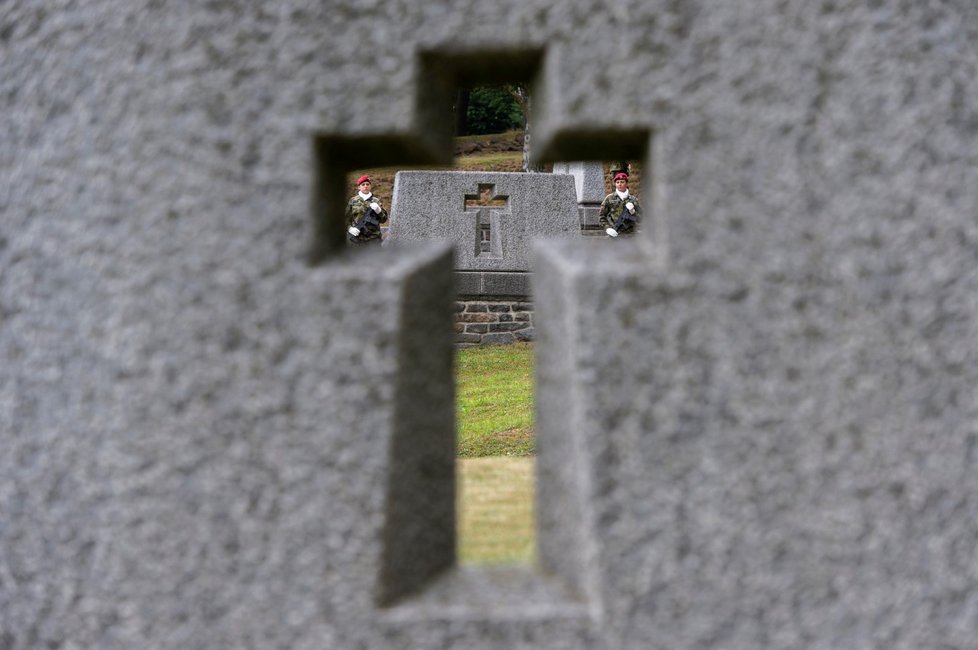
column 611, row 209
column 355, row 210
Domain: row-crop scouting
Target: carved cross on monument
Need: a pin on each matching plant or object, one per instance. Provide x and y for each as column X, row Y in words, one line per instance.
column 488, row 209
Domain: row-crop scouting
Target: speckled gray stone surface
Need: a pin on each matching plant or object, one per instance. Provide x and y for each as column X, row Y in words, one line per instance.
column 768, row 398
column 732, row 481
column 588, row 179
column 589, row 183
column 432, row 205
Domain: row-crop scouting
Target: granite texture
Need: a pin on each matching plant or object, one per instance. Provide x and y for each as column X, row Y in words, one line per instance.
column 471, row 285
column 432, row 205
column 757, row 418
column 588, row 179
column 714, row 479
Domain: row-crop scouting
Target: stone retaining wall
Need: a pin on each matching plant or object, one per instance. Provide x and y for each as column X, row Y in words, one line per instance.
column 480, row 322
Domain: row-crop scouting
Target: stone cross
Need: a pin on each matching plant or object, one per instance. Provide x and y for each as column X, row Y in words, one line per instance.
column 488, row 210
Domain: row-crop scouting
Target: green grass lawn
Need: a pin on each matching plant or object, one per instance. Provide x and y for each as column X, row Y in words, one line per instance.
column 495, row 510
column 494, row 395
column 494, row 400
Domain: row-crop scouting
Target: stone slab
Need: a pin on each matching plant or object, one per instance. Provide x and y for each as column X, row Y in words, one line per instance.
column 430, row 205
column 506, row 284
column 773, row 407
column 468, row 283
column 589, row 218
column 489, row 284
column 588, row 179
column 713, row 462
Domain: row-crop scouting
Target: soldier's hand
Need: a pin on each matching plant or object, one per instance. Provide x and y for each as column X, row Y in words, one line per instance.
column 353, row 230
column 375, row 206
column 631, row 207
column 611, row 232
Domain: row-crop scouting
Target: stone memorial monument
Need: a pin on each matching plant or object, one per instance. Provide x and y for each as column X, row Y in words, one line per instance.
column 756, row 419
column 589, row 183
column 491, row 217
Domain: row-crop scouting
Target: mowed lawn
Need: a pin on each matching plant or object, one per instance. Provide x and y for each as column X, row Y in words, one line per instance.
column 496, row 468
column 496, row 523
column 494, row 400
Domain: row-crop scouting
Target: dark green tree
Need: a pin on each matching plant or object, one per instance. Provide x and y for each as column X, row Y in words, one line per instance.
column 492, row 109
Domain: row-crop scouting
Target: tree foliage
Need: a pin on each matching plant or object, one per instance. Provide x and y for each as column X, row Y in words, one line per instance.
column 492, row 109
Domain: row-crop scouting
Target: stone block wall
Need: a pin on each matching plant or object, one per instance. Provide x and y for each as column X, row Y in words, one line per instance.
column 481, row 322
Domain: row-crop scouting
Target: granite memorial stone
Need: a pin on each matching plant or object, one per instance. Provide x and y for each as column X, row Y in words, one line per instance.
column 491, row 217
column 589, row 183
column 756, row 428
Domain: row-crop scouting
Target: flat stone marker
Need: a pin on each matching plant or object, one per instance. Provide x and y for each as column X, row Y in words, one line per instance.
column 517, row 207
column 491, row 217
column 589, row 183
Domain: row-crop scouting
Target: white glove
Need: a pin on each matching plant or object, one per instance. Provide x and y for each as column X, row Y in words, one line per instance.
column 353, row 230
column 631, row 207
column 611, row 232
column 375, row 206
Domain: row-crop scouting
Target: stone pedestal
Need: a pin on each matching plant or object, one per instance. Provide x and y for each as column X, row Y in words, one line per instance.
column 490, row 217
column 589, row 183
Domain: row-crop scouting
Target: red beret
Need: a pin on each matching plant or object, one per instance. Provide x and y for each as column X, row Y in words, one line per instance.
column 621, row 175
column 363, row 179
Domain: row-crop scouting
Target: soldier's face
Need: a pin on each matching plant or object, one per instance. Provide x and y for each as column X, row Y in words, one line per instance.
column 364, row 187
column 621, row 184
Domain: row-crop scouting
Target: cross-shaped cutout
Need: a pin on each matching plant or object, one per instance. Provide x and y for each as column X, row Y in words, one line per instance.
column 488, row 209
column 405, row 574
column 430, row 142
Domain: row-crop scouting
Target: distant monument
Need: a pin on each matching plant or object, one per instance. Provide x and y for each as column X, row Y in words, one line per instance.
column 589, row 183
column 491, row 218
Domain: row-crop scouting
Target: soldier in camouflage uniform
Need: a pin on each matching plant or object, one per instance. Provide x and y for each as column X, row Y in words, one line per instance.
column 364, row 215
column 618, row 204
